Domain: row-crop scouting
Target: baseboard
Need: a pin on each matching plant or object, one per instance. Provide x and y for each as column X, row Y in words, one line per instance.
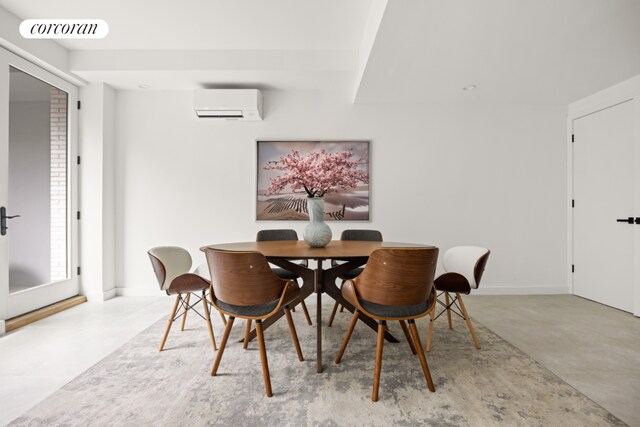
column 2, row 330
column 521, row 290
column 41, row 313
column 101, row 296
column 138, row 292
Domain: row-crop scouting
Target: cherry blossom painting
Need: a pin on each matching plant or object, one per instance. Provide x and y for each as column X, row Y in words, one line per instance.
column 289, row 172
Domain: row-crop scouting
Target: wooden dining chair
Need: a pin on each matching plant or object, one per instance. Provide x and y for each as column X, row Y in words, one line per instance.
column 361, row 235
column 278, row 235
column 463, row 267
column 244, row 286
column 396, row 284
column 171, row 265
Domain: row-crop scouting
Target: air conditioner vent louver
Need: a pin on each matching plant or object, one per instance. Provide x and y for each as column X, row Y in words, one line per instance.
column 228, row 104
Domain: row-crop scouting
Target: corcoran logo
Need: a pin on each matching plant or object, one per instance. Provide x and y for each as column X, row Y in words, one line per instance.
column 64, row 28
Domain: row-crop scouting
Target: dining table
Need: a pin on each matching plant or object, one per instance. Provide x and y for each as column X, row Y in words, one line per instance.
column 319, row 279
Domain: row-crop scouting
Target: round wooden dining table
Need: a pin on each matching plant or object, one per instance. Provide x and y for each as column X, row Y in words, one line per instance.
column 320, row 280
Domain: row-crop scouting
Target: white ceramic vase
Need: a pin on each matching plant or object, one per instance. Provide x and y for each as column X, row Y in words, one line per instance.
column 317, row 233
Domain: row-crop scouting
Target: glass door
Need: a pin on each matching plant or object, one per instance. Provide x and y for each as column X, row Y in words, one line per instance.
column 38, row 203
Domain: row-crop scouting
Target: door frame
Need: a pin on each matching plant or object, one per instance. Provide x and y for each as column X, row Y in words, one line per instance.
column 12, row 305
column 628, row 90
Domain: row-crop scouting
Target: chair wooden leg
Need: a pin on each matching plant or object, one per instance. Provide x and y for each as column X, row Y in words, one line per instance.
column 333, row 313
column 185, row 306
column 352, row 326
column 408, row 336
column 247, row 331
column 376, row 372
column 341, row 308
column 207, row 316
column 421, row 356
column 432, row 318
column 468, row 320
column 446, row 299
column 224, row 319
column 294, row 335
column 173, row 314
column 263, row 359
column 306, row 313
column 223, row 343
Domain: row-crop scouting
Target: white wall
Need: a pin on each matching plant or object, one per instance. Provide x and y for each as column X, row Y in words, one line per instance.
column 97, row 232
column 29, row 194
column 444, row 175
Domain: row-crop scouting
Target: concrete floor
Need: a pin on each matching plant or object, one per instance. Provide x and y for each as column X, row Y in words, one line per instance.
column 594, row 348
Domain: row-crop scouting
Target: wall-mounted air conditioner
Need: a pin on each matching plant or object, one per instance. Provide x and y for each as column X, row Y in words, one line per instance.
column 228, row 104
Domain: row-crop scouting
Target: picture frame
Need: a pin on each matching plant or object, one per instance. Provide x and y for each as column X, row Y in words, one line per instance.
column 343, row 204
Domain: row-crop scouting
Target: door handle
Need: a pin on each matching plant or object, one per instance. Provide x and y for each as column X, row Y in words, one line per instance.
column 627, row 220
column 638, row 220
column 3, row 220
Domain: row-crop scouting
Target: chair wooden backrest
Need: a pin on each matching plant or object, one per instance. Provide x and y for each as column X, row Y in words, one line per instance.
column 242, row 278
column 398, row 276
column 168, row 263
column 468, row 261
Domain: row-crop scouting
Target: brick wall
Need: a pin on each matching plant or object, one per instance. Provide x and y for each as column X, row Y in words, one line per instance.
column 58, row 184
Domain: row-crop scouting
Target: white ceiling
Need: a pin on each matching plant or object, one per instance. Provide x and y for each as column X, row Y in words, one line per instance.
column 210, row 24
column 525, row 51
column 424, row 51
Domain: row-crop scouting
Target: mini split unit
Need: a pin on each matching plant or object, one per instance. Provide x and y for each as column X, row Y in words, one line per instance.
column 228, row 104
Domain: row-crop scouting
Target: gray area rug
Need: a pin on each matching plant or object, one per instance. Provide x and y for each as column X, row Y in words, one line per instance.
column 138, row 386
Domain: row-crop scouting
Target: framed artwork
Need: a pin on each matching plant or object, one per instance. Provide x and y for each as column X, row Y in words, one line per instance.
column 289, row 171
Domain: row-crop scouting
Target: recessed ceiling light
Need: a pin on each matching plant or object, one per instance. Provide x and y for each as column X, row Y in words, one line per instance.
column 144, row 86
column 469, row 87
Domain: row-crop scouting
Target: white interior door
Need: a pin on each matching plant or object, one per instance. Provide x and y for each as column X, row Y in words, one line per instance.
column 38, row 141
column 603, row 190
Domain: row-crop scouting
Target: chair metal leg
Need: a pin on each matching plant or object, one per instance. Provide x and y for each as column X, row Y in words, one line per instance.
column 468, row 320
column 352, row 325
column 333, row 313
column 173, row 314
column 432, row 318
column 223, row 343
column 306, row 313
column 263, row 359
column 185, row 307
column 207, row 315
column 247, row 331
column 376, row 372
column 421, row 356
column 294, row 335
column 408, row 336
column 446, row 298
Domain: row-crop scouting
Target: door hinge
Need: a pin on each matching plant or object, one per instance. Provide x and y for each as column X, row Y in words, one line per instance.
column 573, row 138
column 78, row 271
column 78, row 159
column 573, row 203
column 573, row 268
column 78, row 215
column 79, row 105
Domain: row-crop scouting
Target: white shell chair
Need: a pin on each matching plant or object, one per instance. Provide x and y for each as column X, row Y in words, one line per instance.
column 172, row 265
column 463, row 266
